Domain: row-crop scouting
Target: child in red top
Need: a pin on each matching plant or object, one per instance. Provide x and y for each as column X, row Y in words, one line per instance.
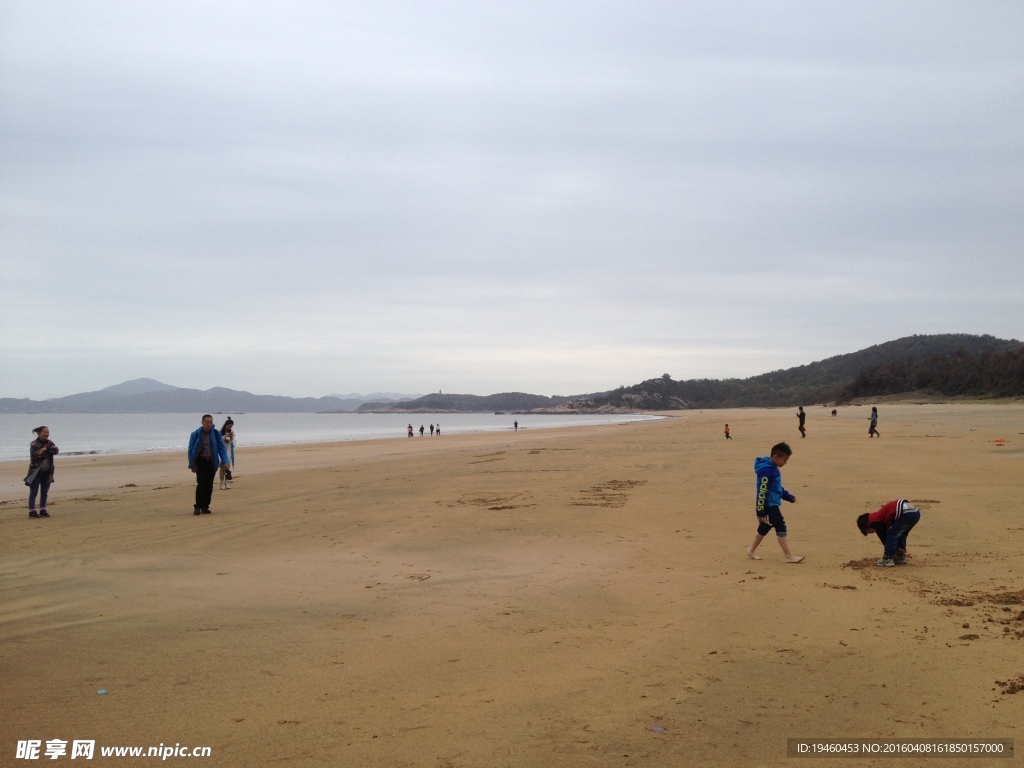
column 727, row 435
column 891, row 522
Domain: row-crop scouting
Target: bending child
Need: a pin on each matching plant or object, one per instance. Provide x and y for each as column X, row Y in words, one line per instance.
column 769, row 493
column 892, row 522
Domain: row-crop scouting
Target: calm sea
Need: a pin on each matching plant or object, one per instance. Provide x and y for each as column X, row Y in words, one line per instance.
column 143, row 433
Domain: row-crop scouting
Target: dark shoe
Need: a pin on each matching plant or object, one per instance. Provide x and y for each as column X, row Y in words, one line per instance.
column 195, row 510
column 206, row 511
column 33, row 513
column 43, row 513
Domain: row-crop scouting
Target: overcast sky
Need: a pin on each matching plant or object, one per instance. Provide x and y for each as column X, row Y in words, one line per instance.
column 555, row 197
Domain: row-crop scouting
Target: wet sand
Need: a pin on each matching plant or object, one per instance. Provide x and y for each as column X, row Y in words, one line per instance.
column 543, row 598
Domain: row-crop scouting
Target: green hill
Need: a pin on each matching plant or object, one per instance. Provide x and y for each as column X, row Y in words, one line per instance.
column 947, row 364
column 986, row 367
column 989, row 374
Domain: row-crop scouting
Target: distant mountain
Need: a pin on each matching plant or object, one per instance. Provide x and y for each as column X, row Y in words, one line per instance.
column 377, row 397
column 440, row 403
column 836, row 378
column 948, row 365
column 151, row 396
column 138, row 387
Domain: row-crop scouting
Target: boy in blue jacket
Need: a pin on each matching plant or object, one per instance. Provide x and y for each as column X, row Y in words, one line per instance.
column 769, row 493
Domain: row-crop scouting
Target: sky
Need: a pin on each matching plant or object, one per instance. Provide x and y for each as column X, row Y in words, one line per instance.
column 554, row 197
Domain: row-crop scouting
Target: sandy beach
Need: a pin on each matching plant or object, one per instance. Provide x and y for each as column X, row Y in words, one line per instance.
column 574, row 597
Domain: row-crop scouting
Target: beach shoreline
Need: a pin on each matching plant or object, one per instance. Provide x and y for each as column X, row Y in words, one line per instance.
column 128, row 434
column 554, row 597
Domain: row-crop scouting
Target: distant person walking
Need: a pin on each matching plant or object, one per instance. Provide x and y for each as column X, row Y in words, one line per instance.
column 727, row 435
column 802, row 417
column 227, row 433
column 422, row 430
column 206, row 452
column 437, row 430
column 40, row 470
column 515, row 426
column 873, row 428
column 409, row 429
column 431, row 430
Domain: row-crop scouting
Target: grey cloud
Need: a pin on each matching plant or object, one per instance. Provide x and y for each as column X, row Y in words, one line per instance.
column 340, row 180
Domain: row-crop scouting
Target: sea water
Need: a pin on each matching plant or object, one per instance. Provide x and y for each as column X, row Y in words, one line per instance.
column 81, row 433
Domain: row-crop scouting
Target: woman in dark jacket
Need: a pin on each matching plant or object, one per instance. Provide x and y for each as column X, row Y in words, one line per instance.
column 40, row 470
column 227, row 434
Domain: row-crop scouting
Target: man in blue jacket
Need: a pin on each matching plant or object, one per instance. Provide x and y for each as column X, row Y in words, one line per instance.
column 206, row 452
column 769, row 493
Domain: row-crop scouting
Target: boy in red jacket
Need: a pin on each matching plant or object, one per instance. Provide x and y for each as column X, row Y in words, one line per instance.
column 892, row 522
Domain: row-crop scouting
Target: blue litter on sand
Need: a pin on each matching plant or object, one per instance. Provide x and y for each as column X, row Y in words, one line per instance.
column 102, row 692
column 659, row 729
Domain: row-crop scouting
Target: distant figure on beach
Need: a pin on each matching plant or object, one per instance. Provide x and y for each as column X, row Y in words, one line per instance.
column 802, row 417
column 769, row 493
column 891, row 522
column 431, row 430
column 40, row 470
column 206, row 452
column 833, row 411
column 515, row 426
column 422, row 430
column 727, row 435
column 227, row 434
column 872, row 429
column 409, row 428
column 437, row 430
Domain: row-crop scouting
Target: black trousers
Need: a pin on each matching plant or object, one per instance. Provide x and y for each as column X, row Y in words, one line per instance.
column 204, row 482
